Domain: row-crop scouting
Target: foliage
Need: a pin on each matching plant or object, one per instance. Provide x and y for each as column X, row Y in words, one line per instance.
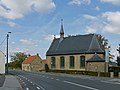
column 102, row 40
column 17, row 59
column 118, row 61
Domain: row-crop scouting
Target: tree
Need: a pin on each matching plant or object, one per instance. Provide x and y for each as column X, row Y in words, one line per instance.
column 118, row 58
column 118, row 61
column 17, row 59
column 102, row 40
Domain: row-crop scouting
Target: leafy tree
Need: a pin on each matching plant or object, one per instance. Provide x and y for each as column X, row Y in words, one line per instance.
column 17, row 59
column 118, row 61
column 118, row 58
column 102, row 40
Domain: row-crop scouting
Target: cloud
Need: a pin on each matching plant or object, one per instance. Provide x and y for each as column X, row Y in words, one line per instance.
column 97, row 8
column 108, row 22
column 43, row 5
column 27, row 42
column 14, row 50
column 89, row 17
column 112, row 24
column 11, row 24
column 79, row 2
column 49, row 37
column 14, row 9
column 90, row 30
column 115, row 2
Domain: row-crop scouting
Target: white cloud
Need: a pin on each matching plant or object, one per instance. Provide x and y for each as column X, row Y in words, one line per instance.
column 27, row 42
column 112, row 22
column 13, row 9
column 116, row 2
column 13, row 42
column 89, row 17
column 49, row 37
column 79, row 2
column 11, row 24
column 14, row 50
column 90, row 30
column 97, row 8
column 43, row 5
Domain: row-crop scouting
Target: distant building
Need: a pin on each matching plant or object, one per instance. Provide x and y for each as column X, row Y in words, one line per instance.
column 32, row 63
column 80, row 52
column 2, row 63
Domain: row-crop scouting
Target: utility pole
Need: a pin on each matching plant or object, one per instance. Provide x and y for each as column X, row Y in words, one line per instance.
column 7, row 52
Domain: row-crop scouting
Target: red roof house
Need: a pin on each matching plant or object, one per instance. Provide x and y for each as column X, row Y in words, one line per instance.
column 32, row 63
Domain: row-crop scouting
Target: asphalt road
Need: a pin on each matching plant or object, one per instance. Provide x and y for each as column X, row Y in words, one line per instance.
column 55, row 81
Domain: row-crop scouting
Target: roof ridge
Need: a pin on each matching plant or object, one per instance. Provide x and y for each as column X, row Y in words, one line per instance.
column 29, row 59
column 94, row 42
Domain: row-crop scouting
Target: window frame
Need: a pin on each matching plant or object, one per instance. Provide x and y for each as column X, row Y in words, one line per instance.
column 82, row 64
column 62, row 63
column 72, row 62
column 53, row 62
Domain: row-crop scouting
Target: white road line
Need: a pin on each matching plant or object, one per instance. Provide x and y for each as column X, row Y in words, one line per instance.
column 37, row 87
column 52, row 78
column 40, row 86
column 110, row 82
column 57, row 79
column 27, row 88
column 30, row 82
column 81, row 85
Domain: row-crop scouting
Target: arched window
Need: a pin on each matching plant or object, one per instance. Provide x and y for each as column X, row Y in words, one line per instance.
column 82, row 61
column 53, row 62
column 62, row 62
column 72, row 62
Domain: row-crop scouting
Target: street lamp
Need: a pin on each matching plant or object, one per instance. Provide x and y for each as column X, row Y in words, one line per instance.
column 7, row 52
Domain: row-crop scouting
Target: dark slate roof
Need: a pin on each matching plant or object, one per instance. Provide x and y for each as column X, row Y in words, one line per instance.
column 75, row 45
column 95, row 58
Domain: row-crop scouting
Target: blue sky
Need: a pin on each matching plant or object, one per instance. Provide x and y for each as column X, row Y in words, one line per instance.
column 33, row 23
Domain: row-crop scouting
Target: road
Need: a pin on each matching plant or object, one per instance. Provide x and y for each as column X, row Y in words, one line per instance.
column 55, row 81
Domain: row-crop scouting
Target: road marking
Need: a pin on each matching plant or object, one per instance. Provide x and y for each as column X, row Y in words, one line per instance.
column 40, row 86
column 110, row 82
column 57, row 79
column 81, row 85
column 27, row 88
column 30, row 82
column 37, row 87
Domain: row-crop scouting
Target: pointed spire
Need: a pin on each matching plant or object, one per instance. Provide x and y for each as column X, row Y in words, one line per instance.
column 61, row 29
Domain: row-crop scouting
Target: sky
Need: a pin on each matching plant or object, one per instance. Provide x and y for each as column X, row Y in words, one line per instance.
column 33, row 23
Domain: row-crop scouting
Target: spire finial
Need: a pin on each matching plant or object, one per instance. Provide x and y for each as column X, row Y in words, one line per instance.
column 61, row 29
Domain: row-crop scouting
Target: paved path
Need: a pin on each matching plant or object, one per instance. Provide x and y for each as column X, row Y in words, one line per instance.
column 11, row 83
column 2, row 79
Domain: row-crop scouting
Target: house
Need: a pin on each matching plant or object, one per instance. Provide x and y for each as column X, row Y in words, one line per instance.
column 76, row 53
column 2, row 63
column 32, row 63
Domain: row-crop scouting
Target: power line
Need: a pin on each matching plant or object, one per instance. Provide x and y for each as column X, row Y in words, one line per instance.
column 3, row 41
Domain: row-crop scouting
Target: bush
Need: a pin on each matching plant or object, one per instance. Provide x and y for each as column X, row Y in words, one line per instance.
column 104, row 74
